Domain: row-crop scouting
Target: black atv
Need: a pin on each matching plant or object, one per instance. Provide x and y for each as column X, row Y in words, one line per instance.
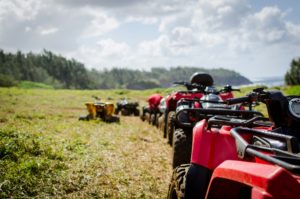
column 127, row 108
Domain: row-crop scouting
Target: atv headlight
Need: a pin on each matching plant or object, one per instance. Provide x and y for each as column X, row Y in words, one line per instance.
column 294, row 107
column 183, row 117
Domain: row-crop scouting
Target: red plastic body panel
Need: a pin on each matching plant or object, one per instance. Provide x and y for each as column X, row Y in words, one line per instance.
column 172, row 99
column 215, row 149
column 212, row 147
column 225, row 96
column 154, row 101
column 265, row 181
column 197, row 105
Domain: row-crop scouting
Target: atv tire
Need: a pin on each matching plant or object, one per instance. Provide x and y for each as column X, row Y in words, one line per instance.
column 143, row 117
column 197, row 181
column 83, row 118
column 125, row 112
column 160, row 123
column 147, row 117
column 136, row 112
column 177, row 185
column 157, row 120
column 153, row 119
column 170, row 127
column 182, row 147
column 111, row 119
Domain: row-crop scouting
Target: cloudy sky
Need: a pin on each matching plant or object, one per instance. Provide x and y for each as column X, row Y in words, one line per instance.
column 257, row 38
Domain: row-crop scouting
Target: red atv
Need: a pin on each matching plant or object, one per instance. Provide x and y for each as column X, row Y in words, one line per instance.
column 149, row 112
column 187, row 114
column 195, row 89
column 244, row 158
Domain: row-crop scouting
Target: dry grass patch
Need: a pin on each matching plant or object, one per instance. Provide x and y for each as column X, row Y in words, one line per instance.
column 78, row 159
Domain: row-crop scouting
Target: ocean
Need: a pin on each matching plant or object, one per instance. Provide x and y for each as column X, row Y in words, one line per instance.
column 267, row 81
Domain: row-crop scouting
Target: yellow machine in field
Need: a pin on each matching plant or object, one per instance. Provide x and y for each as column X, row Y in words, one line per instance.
column 102, row 110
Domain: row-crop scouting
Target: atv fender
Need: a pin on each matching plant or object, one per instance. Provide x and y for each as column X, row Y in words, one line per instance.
column 212, row 146
column 260, row 181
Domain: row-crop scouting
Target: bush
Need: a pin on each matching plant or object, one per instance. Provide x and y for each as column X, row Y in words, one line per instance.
column 29, row 84
column 292, row 77
column 144, row 84
column 7, row 81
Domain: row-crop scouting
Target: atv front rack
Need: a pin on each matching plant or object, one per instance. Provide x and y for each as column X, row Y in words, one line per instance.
column 288, row 157
column 218, row 121
column 200, row 113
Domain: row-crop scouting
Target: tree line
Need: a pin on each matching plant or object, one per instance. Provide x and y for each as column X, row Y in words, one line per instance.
column 60, row 72
column 292, row 77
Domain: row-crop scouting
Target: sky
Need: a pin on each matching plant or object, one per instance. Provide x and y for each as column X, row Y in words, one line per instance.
column 257, row 38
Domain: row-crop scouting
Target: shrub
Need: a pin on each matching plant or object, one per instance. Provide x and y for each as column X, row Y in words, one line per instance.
column 7, row 81
column 292, row 77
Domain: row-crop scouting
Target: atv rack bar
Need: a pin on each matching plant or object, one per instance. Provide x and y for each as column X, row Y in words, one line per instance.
column 223, row 120
column 287, row 159
column 200, row 100
column 190, row 91
column 201, row 113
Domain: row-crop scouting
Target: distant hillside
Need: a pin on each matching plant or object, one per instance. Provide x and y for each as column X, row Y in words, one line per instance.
column 59, row 72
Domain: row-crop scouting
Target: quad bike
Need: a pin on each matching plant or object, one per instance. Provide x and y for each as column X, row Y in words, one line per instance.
column 255, row 158
column 102, row 110
column 159, row 118
column 205, row 93
column 195, row 89
column 212, row 100
column 127, row 108
column 150, row 112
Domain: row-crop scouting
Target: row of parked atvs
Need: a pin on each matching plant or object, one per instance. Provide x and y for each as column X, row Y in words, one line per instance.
column 222, row 148
column 108, row 112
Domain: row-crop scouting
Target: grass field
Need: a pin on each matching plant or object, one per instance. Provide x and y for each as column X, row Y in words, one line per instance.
column 46, row 152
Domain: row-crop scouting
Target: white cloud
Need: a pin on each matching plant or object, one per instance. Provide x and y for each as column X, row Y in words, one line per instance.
column 111, row 48
column 46, row 31
column 218, row 33
column 143, row 20
column 28, row 29
column 23, row 10
column 100, row 23
column 219, row 14
column 268, row 25
column 155, row 48
column 106, row 52
column 294, row 31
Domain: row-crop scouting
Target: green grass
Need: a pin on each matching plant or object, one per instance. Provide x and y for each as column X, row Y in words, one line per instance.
column 292, row 90
column 46, row 152
column 30, row 85
column 26, row 163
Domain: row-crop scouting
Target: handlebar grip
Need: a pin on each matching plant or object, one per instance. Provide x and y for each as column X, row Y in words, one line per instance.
column 179, row 83
column 237, row 100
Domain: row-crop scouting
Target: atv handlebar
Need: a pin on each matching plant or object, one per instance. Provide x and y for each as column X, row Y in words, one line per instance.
column 228, row 88
column 180, row 83
column 200, row 113
column 257, row 95
column 190, row 86
column 287, row 158
column 238, row 100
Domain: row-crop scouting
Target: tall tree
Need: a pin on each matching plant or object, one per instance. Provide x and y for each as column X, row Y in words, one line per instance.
column 292, row 77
